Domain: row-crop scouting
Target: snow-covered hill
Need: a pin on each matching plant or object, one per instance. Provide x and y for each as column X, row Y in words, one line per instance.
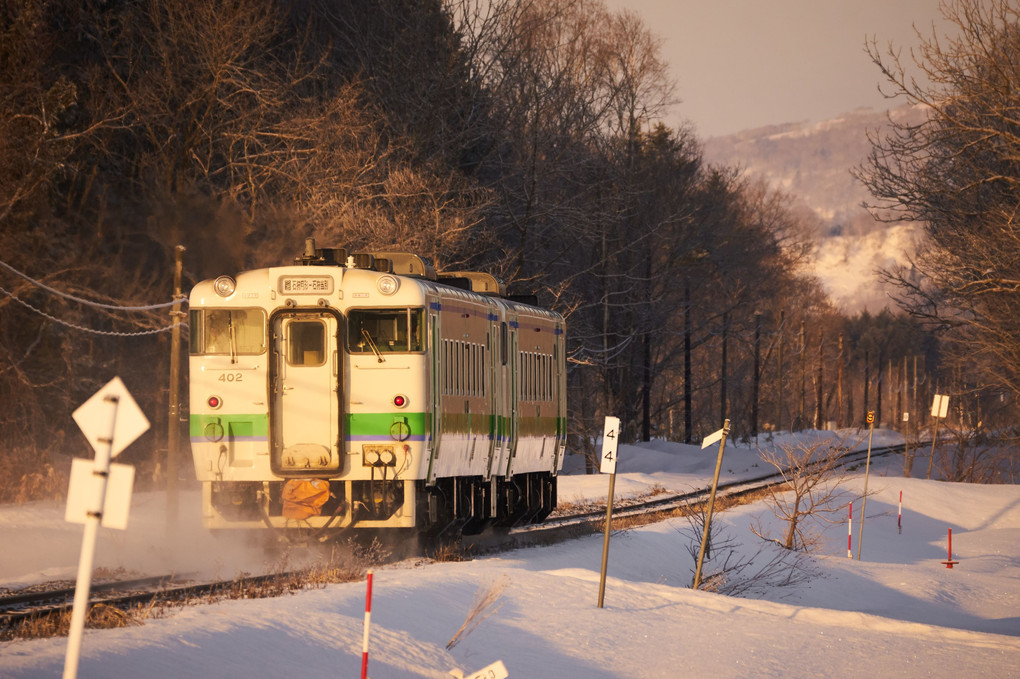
column 897, row 612
column 812, row 164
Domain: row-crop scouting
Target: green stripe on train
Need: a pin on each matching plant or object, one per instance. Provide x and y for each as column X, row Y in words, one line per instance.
column 379, row 424
column 255, row 425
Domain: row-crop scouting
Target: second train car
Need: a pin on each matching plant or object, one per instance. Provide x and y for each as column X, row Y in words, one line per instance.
column 366, row 391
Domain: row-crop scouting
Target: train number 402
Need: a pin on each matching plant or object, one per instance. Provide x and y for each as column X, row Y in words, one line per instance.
column 230, row 377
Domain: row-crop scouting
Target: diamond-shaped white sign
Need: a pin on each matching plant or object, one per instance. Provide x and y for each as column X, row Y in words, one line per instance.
column 95, row 416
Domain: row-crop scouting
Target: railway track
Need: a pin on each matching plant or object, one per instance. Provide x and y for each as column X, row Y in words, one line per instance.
column 21, row 608
column 17, row 610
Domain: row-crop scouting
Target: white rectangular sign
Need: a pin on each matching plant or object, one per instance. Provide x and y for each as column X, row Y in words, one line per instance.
column 940, row 406
column 711, row 438
column 610, row 442
column 83, row 493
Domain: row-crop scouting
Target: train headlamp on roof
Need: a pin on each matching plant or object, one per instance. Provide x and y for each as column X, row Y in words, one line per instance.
column 387, row 285
column 224, row 286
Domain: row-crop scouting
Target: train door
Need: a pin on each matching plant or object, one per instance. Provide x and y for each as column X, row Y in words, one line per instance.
column 493, row 395
column 304, row 391
column 436, row 376
column 513, row 392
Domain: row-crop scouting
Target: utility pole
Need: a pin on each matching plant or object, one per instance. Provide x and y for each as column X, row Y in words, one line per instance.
column 174, row 415
column 839, row 386
column 803, row 375
column 722, row 380
column 688, row 388
column 779, row 373
column 818, row 387
column 756, row 378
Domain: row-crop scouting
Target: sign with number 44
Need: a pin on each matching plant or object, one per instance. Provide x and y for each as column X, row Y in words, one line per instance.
column 610, row 441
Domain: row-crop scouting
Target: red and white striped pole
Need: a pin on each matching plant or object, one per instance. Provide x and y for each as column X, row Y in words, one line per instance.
column 899, row 515
column 850, row 532
column 368, row 618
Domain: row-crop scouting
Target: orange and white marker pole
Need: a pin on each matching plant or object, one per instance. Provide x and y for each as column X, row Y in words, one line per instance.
column 368, row 618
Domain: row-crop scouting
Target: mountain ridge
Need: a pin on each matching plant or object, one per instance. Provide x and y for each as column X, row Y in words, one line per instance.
column 812, row 163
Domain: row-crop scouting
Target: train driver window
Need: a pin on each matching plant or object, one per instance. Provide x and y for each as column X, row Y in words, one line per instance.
column 227, row 331
column 306, row 343
column 384, row 330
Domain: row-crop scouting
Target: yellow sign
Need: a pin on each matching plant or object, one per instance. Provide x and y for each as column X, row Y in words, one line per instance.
column 871, row 417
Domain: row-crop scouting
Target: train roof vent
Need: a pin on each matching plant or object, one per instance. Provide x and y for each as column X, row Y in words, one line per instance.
column 403, row 264
column 480, row 282
column 314, row 256
column 363, row 260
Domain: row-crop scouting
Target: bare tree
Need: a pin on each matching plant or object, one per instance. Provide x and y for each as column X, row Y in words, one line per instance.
column 733, row 569
column 812, row 489
column 957, row 173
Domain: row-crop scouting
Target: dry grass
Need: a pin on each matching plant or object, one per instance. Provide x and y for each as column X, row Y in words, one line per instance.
column 485, row 603
column 446, row 551
column 344, row 564
column 100, row 616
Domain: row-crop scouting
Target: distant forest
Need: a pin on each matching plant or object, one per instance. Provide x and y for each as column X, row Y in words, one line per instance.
column 519, row 137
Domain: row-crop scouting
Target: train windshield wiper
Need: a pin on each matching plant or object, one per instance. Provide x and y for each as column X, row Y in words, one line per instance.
column 232, row 337
column 371, row 343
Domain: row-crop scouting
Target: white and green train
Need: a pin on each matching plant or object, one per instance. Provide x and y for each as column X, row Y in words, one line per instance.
column 366, row 391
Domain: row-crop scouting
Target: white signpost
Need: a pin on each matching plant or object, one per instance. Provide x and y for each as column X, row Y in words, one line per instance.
column 939, row 410
column 719, row 436
column 610, row 444
column 100, row 492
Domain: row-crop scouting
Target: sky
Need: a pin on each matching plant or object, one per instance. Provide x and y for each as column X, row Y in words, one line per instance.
column 742, row 64
column 897, row 611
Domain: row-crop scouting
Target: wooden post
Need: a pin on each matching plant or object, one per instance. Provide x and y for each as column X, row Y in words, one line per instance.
column 722, row 368
column 711, row 505
column 803, row 375
column 867, row 473
column 819, row 424
column 605, row 539
column 779, row 372
column 756, row 377
column 173, row 415
column 839, row 386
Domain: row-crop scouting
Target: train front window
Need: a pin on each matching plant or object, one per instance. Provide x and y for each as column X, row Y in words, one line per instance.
column 306, row 343
column 231, row 332
column 384, row 330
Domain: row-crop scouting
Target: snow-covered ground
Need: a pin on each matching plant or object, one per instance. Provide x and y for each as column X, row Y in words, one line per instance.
column 897, row 612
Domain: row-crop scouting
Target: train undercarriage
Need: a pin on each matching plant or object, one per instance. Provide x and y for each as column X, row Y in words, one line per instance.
column 451, row 506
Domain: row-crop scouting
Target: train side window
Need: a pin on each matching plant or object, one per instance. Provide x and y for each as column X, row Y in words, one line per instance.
column 504, row 343
column 227, row 331
column 196, row 332
column 469, row 360
column 306, row 343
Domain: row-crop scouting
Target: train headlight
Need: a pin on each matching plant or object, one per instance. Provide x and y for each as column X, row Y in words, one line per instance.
column 399, row 400
column 387, row 285
column 224, row 286
column 214, row 402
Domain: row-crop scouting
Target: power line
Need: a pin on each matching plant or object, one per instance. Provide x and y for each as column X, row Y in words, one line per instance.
column 91, row 303
column 86, row 329
column 80, row 300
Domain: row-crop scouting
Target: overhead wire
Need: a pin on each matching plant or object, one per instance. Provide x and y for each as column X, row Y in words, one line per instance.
column 91, row 303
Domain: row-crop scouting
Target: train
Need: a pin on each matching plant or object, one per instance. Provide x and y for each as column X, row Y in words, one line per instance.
column 364, row 390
